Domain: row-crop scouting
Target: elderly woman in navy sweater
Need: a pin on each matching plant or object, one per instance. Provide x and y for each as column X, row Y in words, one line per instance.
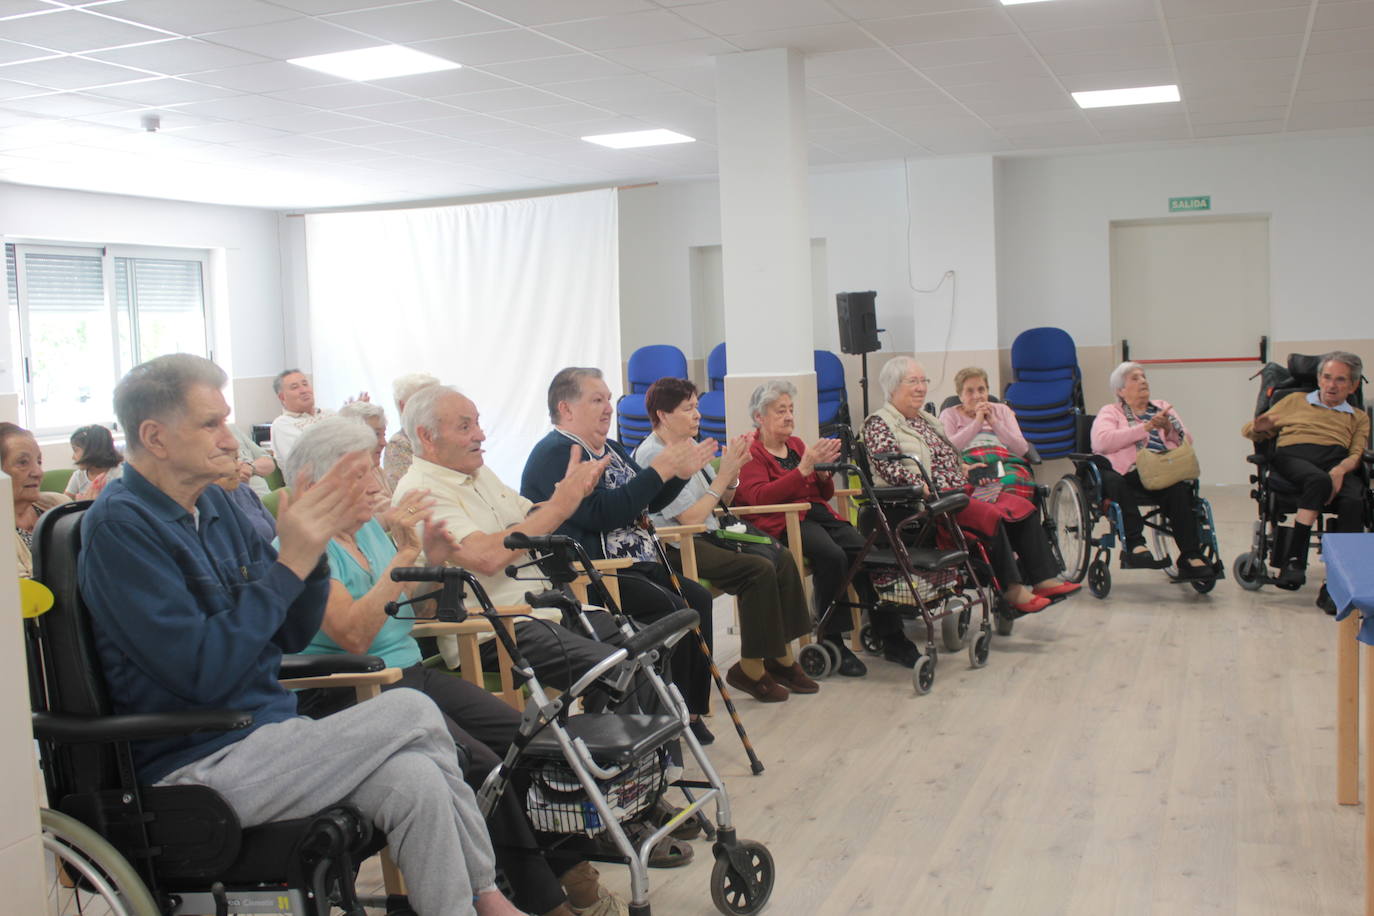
column 612, row 522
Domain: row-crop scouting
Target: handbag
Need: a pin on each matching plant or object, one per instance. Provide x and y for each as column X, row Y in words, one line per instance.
column 1160, row 470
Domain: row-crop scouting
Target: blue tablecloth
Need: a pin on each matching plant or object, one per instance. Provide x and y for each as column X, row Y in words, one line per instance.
column 1350, row 577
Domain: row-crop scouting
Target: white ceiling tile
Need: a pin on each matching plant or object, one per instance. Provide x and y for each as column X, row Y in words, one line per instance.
column 272, row 76
column 12, row 90
column 419, row 21
column 289, row 145
column 1270, row 74
column 1104, row 61
column 1165, row 114
column 625, row 31
column 1355, row 15
column 886, row 9
column 1232, row 114
column 1075, row 14
column 372, row 134
column 193, row 17
column 74, row 31
column 1146, row 134
column 988, row 71
column 1000, row 106
column 12, row 52
column 63, row 105
column 1036, row 138
column 1358, row 92
column 1238, row 129
column 401, row 112
column 293, row 38
column 423, row 146
column 1334, row 79
column 342, row 95
column 955, row 26
column 810, row 39
column 18, row 7
column 1332, row 115
column 1337, row 42
column 876, row 101
column 699, row 81
column 733, row 17
column 1099, row 38
column 1177, row 9
column 1356, row 61
column 178, row 57
column 165, row 91
column 862, row 60
column 310, row 122
column 502, row 100
column 964, row 51
column 339, row 152
column 1017, row 119
column 541, row 12
column 445, row 82
column 559, row 69
column 1118, row 79
column 227, row 132
column 568, row 113
column 598, row 126
column 172, row 121
column 1259, row 24
column 634, row 85
column 887, row 81
column 462, row 125
column 1209, row 52
column 244, row 108
column 212, row 151
column 69, row 73
column 671, row 54
column 494, row 47
column 325, row 7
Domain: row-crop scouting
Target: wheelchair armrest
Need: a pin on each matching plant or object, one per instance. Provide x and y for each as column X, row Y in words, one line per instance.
column 1368, row 456
column 1257, row 459
column 65, row 729
column 945, row 504
column 1081, row 456
column 897, row 492
column 299, row 666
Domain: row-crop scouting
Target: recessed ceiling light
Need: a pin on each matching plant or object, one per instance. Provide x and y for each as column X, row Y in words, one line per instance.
column 637, row 138
column 379, row 63
column 1143, row 95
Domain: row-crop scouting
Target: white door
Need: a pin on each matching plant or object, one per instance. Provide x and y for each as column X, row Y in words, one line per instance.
column 1196, row 288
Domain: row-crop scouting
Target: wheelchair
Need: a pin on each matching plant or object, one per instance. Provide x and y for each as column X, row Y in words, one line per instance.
column 584, row 776
column 921, row 568
column 118, row 847
column 1275, row 497
column 1078, row 502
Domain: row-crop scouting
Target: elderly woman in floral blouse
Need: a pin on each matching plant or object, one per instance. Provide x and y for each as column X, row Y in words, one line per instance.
column 399, row 451
column 1008, row 525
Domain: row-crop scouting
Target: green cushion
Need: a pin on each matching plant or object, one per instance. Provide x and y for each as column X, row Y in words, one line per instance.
column 272, row 499
column 275, row 481
column 56, row 481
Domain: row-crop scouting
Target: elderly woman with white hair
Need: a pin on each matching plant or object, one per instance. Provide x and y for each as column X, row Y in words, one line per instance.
column 1131, row 424
column 783, row 470
column 400, row 451
column 374, row 417
column 1007, row 525
column 355, row 620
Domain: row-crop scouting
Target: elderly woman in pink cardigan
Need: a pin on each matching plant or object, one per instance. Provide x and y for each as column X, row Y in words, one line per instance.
column 1121, row 430
column 987, row 434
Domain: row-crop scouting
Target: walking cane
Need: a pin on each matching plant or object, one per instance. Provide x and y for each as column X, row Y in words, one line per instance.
column 755, row 765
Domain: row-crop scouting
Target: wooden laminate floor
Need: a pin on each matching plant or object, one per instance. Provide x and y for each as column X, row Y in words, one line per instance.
column 1159, row 752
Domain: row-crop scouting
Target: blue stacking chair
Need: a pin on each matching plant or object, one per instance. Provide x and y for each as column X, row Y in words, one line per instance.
column 832, row 401
column 1046, row 392
column 711, row 402
column 646, row 366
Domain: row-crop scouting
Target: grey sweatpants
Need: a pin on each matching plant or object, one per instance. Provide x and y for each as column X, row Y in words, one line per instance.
column 390, row 757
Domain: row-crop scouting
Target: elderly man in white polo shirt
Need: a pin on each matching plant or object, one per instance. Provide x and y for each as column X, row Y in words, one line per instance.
column 297, row 397
column 480, row 511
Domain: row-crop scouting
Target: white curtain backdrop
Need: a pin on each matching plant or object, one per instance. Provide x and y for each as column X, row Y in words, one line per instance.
column 491, row 298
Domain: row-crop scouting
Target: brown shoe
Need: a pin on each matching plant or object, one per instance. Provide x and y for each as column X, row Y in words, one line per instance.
column 792, row 677
column 765, row 689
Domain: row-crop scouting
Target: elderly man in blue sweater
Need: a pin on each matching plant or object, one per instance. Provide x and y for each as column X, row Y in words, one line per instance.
column 193, row 609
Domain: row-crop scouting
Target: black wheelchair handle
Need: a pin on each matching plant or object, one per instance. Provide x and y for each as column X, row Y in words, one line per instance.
column 518, row 540
column 886, row 456
column 831, row 467
column 551, row 597
column 421, row 573
column 677, row 622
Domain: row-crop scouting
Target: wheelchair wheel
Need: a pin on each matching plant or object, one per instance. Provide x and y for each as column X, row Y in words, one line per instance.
column 954, row 627
column 85, row 874
column 979, row 647
column 1203, row 586
column 870, row 640
column 1099, row 578
column 923, row 674
column 741, row 889
column 1068, row 506
column 815, row 661
column 1249, row 571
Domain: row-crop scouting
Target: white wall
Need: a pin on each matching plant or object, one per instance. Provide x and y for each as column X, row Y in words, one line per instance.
column 1054, row 213
column 251, row 319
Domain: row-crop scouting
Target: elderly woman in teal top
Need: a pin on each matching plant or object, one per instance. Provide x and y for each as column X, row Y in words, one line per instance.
column 355, row 620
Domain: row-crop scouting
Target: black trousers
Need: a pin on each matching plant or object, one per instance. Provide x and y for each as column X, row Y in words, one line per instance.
column 830, row 547
column 646, row 594
column 483, row 727
column 1176, row 501
column 1309, row 468
column 772, row 601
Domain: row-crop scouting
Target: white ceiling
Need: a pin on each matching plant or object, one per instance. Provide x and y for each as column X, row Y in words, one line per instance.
column 886, row 79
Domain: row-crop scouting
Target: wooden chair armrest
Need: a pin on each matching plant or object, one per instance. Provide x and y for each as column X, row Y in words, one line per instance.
column 612, row 565
column 848, row 491
column 766, row 510
column 365, row 686
column 474, row 624
column 678, row 532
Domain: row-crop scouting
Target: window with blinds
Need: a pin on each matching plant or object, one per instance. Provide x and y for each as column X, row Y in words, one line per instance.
column 82, row 317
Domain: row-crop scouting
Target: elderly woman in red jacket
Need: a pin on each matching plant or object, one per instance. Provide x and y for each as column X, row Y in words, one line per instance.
column 783, row 470
column 1121, row 430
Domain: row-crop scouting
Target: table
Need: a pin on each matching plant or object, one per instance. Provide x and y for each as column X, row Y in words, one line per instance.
column 1350, row 582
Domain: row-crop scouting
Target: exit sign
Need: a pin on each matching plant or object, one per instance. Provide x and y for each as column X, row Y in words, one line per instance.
column 1179, row 204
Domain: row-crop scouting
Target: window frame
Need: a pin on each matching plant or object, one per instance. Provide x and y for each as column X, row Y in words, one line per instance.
column 108, row 254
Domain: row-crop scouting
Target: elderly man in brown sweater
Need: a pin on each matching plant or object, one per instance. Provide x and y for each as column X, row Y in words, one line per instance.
column 1322, row 439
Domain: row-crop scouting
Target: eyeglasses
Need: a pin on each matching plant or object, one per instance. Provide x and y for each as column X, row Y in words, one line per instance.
column 915, row 380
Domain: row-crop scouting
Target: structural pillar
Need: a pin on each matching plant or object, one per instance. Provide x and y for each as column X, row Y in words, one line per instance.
column 765, row 230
